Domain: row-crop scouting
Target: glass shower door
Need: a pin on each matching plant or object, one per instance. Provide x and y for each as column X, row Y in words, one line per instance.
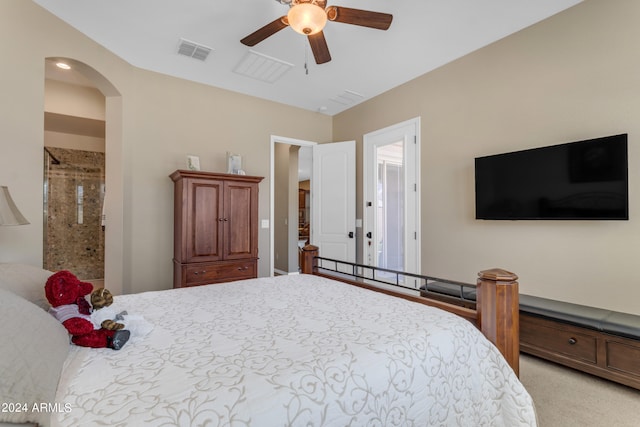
column 73, row 198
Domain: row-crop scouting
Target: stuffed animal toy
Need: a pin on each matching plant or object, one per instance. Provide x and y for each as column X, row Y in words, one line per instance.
column 66, row 294
column 105, row 314
column 101, row 316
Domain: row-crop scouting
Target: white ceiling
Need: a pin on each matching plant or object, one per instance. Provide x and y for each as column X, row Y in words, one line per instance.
column 424, row 35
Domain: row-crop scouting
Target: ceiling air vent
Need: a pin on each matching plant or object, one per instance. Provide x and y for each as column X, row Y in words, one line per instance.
column 193, row 50
column 347, row 97
column 262, row 67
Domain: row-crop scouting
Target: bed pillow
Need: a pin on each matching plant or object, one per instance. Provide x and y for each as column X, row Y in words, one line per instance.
column 33, row 348
column 26, row 281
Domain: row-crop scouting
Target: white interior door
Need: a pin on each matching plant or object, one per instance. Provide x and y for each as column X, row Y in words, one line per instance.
column 333, row 200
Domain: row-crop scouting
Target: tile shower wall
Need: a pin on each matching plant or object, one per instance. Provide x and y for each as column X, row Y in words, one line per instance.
column 73, row 196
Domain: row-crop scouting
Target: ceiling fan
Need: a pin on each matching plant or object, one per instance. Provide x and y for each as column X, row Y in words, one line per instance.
column 308, row 17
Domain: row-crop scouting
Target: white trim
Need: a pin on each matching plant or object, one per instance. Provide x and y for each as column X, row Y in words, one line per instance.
column 283, row 140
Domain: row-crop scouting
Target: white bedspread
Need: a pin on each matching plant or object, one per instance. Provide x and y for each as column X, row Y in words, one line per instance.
column 292, row 351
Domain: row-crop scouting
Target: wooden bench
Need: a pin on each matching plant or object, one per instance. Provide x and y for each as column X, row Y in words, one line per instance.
column 601, row 342
column 594, row 340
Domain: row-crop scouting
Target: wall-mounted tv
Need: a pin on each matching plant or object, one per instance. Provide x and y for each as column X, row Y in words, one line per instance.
column 585, row 180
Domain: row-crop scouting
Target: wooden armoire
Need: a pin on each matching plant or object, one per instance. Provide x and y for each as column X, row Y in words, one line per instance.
column 215, row 227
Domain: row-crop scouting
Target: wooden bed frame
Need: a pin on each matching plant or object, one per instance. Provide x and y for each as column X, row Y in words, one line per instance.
column 497, row 306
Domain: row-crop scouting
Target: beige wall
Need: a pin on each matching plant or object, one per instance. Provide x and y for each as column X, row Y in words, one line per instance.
column 285, row 220
column 79, row 102
column 292, row 214
column 155, row 122
column 571, row 77
column 73, row 100
column 202, row 121
column 281, row 208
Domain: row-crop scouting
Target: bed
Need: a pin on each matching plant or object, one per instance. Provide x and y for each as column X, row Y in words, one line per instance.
column 301, row 350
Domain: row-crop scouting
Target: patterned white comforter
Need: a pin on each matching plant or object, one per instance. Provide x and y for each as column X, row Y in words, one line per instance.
column 292, row 351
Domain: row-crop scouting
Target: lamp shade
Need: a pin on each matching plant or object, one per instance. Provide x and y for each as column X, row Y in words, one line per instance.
column 9, row 213
column 307, row 18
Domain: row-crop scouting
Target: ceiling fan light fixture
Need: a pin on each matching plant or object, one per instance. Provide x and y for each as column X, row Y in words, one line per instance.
column 307, row 18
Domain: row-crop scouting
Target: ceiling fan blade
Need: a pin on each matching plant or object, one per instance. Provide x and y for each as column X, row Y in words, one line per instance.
column 266, row 31
column 364, row 18
column 319, row 48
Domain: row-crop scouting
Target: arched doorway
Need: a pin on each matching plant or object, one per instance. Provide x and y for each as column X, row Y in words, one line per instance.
column 90, row 239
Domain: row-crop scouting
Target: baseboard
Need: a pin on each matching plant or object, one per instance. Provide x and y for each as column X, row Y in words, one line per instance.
column 284, row 273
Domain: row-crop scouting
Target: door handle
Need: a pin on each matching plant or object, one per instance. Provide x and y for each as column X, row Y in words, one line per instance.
column 351, row 234
column 369, row 235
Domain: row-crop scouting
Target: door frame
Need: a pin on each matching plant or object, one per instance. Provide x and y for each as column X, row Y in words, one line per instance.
column 273, row 140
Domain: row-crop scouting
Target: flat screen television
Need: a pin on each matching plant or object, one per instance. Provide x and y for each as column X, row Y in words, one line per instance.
column 584, row 180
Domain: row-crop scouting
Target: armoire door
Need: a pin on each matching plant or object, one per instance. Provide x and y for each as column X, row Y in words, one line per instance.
column 205, row 220
column 240, row 217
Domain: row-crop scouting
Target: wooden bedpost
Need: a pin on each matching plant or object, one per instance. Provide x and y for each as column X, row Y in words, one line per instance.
column 309, row 262
column 499, row 312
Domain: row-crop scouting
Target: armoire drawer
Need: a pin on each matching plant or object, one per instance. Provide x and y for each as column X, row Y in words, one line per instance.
column 218, row 272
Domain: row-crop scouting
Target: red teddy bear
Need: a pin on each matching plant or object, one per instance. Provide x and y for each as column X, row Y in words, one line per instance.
column 66, row 294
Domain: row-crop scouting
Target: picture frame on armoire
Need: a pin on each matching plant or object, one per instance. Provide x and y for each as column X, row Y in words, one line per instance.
column 234, row 164
column 193, row 163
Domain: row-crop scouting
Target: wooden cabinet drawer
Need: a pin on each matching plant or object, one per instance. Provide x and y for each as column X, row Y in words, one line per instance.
column 623, row 356
column 217, row 272
column 224, row 271
column 558, row 338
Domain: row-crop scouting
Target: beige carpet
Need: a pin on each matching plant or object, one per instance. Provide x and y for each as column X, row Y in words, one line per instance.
column 566, row 398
